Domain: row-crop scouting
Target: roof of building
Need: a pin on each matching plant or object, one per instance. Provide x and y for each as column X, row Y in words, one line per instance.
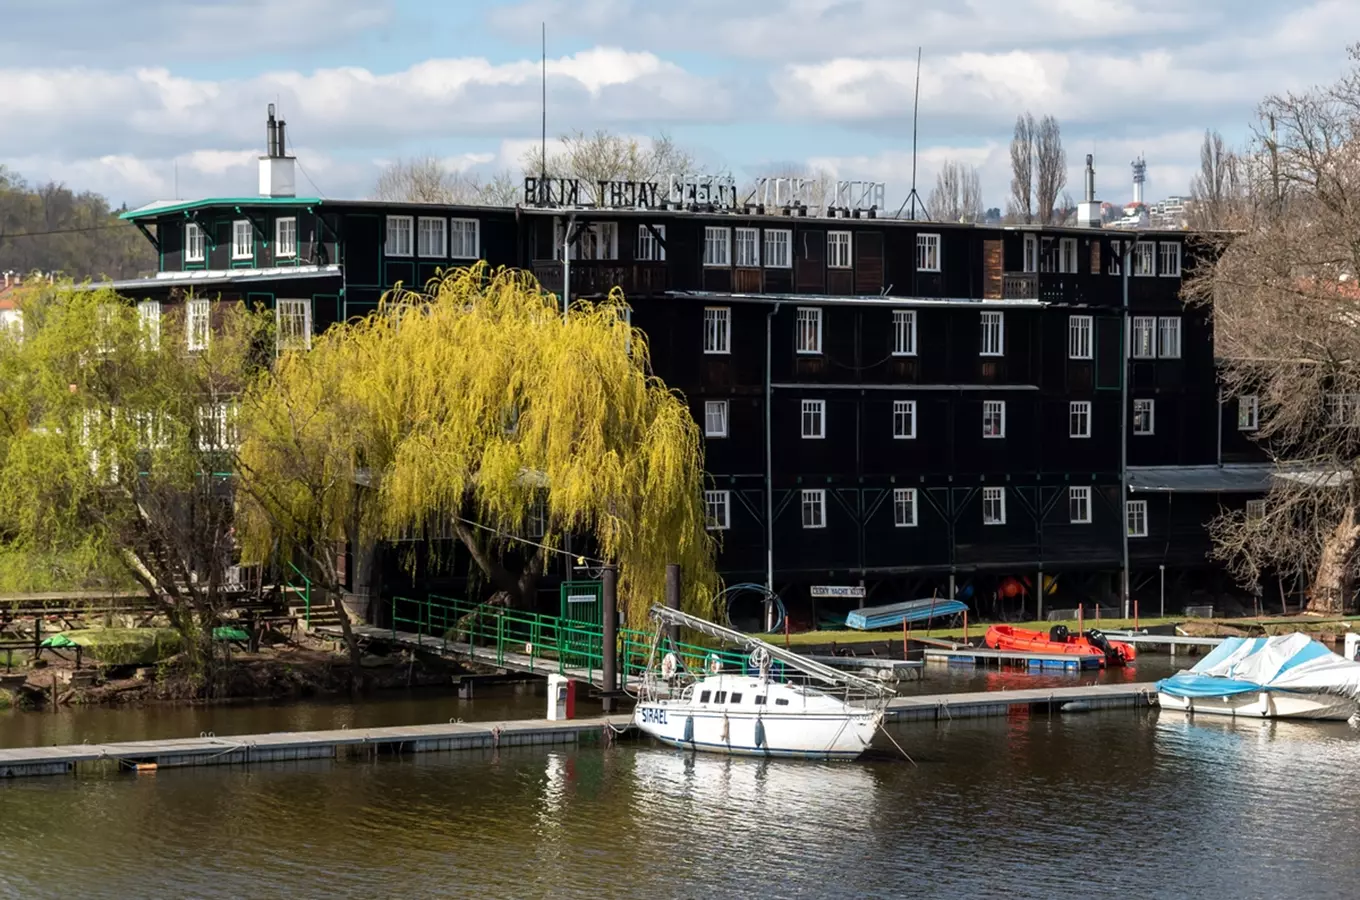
column 1229, row 478
column 196, row 277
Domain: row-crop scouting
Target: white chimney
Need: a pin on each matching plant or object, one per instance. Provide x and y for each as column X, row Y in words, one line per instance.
column 277, row 177
column 1088, row 211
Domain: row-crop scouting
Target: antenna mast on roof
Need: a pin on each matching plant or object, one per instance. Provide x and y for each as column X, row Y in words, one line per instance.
column 543, row 146
column 914, row 198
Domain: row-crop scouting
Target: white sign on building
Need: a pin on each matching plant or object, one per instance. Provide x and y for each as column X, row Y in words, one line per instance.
column 838, row 590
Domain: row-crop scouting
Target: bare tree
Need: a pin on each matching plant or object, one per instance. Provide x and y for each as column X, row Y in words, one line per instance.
column 1051, row 167
column 604, row 156
column 1286, row 307
column 425, row 179
column 1021, row 205
column 1217, row 189
column 957, row 195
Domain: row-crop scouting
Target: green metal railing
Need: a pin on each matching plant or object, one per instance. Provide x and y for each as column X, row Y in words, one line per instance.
column 542, row 638
column 304, row 591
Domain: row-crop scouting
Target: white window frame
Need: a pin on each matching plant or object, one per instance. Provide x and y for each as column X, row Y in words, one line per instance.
column 598, row 241
column 536, row 522
column 715, row 418
column 778, row 248
column 1169, row 259
column 464, row 231
column 400, row 236
column 432, row 237
column 993, row 324
column 927, row 252
column 904, row 332
column 838, row 250
column 1079, row 419
column 904, row 420
column 1248, row 412
column 149, row 324
column 195, row 243
column 104, row 316
column 1151, row 407
column 814, row 508
column 995, row 497
column 1079, row 505
column 1136, row 518
column 197, row 324
column 242, row 240
column 1143, row 337
column 812, row 420
column 717, row 246
column 1081, row 337
column 298, row 312
column 1031, row 253
column 649, row 249
column 994, row 412
column 807, row 335
column 285, row 238
column 1067, row 256
column 217, row 427
column 1116, row 265
column 748, row 247
column 904, row 508
column 12, row 324
column 1169, row 337
column 717, row 510
column 717, row 330
column 1145, row 259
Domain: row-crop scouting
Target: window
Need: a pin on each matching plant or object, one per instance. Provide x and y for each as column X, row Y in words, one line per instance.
column 12, row 324
column 814, row 418
column 904, row 507
column 1248, row 412
column 927, row 253
column 1117, row 257
column 1031, row 253
column 717, row 329
column 1169, row 337
column 1079, row 505
column 104, row 317
column 1142, row 416
column 1079, row 337
column 993, row 506
column 242, row 239
column 197, row 315
column 717, row 246
column 1256, row 510
column 649, row 249
column 735, row 698
column 465, row 238
column 904, row 332
column 1067, row 256
column 993, row 334
column 1170, row 259
column 599, row 241
column 194, row 245
column 430, row 237
column 720, row 697
column 285, row 238
column 748, row 247
column 993, row 418
column 537, row 524
column 1143, row 261
column 1143, row 344
column 704, row 696
column 809, row 334
column 838, row 249
column 759, row 700
column 1137, row 518
column 715, row 418
column 294, row 321
column 716, row 510
column 1343, row 410
column 1079, row 419
column 398, row 236
column 777, row 244
column 780, row 701
column 217, row 427
column 904, row 419
column 149, row 324
column 814, row 509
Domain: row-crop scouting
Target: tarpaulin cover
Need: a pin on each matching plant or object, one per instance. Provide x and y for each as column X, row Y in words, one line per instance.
column 1287, row 662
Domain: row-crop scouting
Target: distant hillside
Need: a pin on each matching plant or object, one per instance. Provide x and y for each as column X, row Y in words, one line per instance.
column 50, row 228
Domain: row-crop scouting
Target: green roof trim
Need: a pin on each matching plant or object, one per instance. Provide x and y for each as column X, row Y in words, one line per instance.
column 153, row 210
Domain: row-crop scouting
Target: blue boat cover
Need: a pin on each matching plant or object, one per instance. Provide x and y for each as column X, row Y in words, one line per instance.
column 1289, row 662
column 896, row 613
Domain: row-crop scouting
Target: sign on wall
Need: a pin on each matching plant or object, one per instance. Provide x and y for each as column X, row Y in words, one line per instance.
column 838, row 590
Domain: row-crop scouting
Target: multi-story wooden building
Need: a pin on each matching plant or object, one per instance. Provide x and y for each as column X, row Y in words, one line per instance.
column 903, row 406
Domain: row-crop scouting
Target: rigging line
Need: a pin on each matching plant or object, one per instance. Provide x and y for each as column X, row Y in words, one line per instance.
column 5, row 237
column 522, row 540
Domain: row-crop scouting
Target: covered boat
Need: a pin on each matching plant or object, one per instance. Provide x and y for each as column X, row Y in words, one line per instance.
column 1059, row 640
column 1286, row 676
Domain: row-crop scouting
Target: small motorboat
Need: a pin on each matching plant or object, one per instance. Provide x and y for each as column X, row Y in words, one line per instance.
column 1059, row 640
column 1289, row 676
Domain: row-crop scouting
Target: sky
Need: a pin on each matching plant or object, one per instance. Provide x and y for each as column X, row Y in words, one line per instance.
column 165, row 99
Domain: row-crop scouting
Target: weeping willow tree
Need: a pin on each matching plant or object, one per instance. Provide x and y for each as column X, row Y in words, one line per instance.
column 476, row 406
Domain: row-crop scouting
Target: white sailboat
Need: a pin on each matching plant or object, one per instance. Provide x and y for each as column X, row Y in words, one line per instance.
column 755, row 714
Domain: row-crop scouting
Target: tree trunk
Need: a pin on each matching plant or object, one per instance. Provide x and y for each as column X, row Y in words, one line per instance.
column 1332, row 587
column 521, row 589
column 351, row 642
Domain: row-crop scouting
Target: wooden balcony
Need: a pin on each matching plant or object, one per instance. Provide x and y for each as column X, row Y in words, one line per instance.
column 1020, row 286
column 592, row 278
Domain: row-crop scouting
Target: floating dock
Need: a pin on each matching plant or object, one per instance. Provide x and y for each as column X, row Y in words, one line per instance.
column 947, row 707
column 986, row 657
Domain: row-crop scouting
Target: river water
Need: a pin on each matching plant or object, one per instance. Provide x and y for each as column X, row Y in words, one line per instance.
column 1124, row 802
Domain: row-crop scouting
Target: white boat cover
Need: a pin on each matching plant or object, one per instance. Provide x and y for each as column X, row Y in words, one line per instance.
column 1288, row 662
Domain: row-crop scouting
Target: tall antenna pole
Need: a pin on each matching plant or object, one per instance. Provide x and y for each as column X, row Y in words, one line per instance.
column 543, row 147
column 914, row 198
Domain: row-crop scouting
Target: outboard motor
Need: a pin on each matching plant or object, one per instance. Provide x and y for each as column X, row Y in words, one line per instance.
column 1101, row 643
column 1059, row 634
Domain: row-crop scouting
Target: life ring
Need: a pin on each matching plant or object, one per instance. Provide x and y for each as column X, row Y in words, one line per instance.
column 714, row 663
column 760, row 661
column 668, row 666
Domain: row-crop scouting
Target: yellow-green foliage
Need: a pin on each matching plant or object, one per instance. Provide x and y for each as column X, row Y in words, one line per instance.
column 128, row 646
column 474, row 397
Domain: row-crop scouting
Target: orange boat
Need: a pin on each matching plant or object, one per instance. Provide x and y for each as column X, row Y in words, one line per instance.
column 1059, row 640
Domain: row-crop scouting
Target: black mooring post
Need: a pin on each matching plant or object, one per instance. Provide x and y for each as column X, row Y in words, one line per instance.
column 609, row 666
column 673, row 598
